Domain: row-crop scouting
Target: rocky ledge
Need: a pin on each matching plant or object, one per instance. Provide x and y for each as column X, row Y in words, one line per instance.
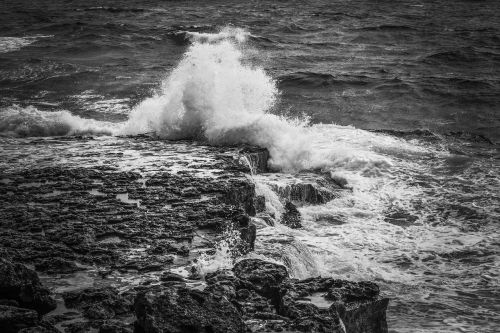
column 108, row 235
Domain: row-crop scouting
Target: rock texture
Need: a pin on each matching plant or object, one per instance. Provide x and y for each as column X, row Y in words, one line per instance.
column 260, row 296
column 179, row 309
column 21, row 287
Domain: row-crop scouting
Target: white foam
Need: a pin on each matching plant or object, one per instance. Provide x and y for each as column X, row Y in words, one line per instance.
column 29, row 121
column 9, row 44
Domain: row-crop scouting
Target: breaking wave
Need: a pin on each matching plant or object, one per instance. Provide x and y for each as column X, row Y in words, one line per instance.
column 29, row 121
column 9, row 44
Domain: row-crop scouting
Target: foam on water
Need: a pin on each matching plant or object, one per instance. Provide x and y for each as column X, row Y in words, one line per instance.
column 29, row 121
column 9, row 44
column 395, row 224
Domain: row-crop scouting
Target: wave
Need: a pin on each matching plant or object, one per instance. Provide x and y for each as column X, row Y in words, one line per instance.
column 215, row 95
column 316, row 80
column 462, row 55
column 9, row 44
column 29, row 121
column 387, row 27
column 114, row 9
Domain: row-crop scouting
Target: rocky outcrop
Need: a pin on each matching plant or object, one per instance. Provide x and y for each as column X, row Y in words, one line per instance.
column 98, row 303
column 291, row 216
column 179, row 309
column 22, row 287
column 13, row 319
column 96, row 217
column 259, row 296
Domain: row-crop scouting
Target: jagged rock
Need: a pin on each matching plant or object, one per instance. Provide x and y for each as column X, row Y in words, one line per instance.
column 357, row 304
column 248, row 233
column 40, row 329
column 169, row 276
column 98, row 303
column 22, row 285
column 115, row 326
column 56, row 265
column 264, row 276
column 291, row 216
column 257, row 157
column 178, row 309
column 12, row 319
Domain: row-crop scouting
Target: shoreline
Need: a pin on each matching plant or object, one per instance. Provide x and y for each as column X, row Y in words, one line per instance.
column 119, row 236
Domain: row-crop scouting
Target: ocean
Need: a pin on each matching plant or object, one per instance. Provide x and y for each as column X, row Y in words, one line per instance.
column 396, row 101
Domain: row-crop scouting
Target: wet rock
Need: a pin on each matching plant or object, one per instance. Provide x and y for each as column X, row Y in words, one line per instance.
column 169, row 276
column 115, row 326
column 78, row 327
column 260, row 204
column 56, row 265
column 264, row 276
column 12, row 319
column 248, row 233
column 257, row 158
column 357, row 304
column 40, row 329
column 98, row 303
column 291, row 216
column 178, row 309
column 22, row 285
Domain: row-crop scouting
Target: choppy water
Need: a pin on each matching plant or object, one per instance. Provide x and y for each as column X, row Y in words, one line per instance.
column 422, row 216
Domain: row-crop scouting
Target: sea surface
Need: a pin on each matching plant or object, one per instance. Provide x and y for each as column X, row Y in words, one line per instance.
column 398, row 101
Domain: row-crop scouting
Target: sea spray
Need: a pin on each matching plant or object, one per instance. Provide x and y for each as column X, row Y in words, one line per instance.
column 213, row 95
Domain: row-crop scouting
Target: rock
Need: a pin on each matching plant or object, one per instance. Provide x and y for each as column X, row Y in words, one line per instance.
column 169, row 276
column 56, row 265
column 39, row 329
column 264, row 276
column 291, row 217
column 12, row 319
column 115, row 326
column 257, row 158
column 327, row 300
column 22, row 285
column 248, row 233
column 98, row 303
column 178, row 309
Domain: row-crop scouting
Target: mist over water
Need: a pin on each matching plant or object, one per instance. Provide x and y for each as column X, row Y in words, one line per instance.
column 419, row 213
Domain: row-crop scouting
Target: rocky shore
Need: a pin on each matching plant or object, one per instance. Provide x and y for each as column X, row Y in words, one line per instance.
column 111, row 235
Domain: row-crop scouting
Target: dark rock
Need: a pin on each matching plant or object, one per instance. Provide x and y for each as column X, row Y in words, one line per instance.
column 22, row 285
column 357, row 304
column 78, row 327
column 39, row 329
column 12, row 319
column 264, row 276
column 260, row 204
column 257, row 158
column 98, row 303
column 115, row 326
column 56, row 265
column 291, row 216
column 177, row 309
column 169, row 276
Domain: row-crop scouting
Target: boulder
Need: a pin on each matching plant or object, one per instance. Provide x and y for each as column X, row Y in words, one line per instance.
column 98, row 303
column 357, row 305
column 22, row 285
column 177, row 309
column 56, row 265
column 291, row 216
column 13, row 319
column 264, row 276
